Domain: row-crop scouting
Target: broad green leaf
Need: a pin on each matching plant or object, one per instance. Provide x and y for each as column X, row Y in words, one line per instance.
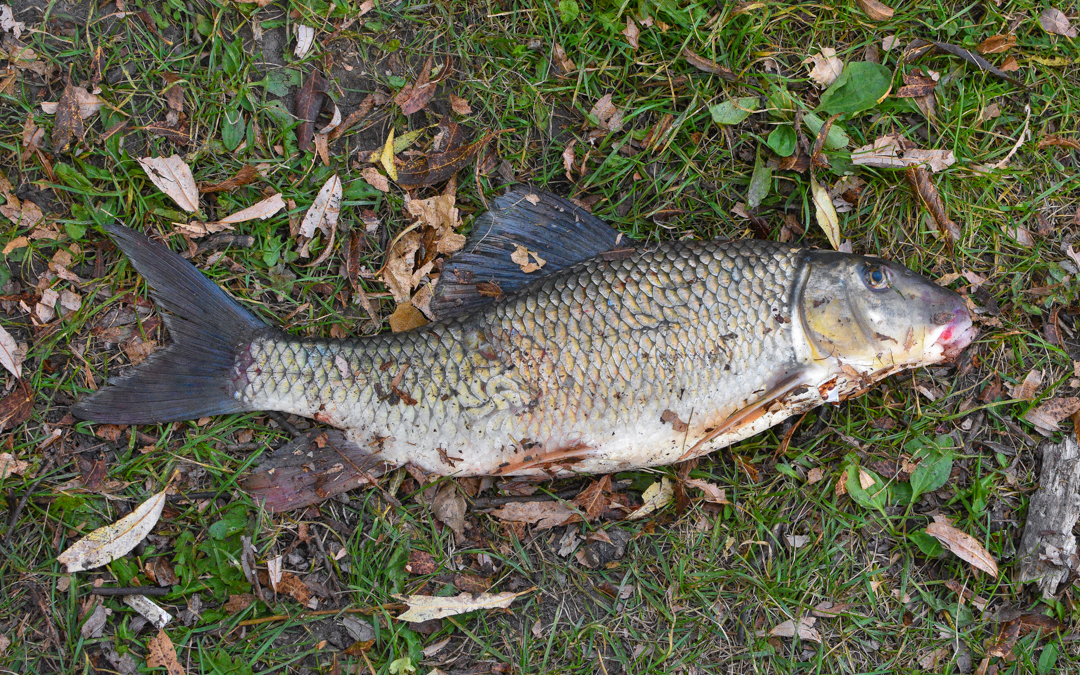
column 233, row 128
column 930, row 546
column 760, row 183
column 837, row 138
column 859, row 87
column 931, row 473
column 733, row 111
column 872, row 497
column 782, row 140
column 568, row 10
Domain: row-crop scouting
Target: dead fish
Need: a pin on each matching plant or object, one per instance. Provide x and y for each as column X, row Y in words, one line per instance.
column 614, row 355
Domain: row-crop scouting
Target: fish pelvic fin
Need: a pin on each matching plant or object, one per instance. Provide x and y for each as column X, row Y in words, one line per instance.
column 193, row 376
column 550, row 229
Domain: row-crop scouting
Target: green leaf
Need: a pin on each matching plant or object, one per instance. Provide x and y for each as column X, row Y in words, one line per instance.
column 1048, row 659
column 760, row 183
column 75, row 230
column 232, row 522
column 873, row 497
column 233, row 128
column 837, row 138
column 858, row 88
column 733, row 111
column 930, row 546
column 233, row 59
column 782, row 140
column 933, row 471
column 221, row 663
column 568, row 10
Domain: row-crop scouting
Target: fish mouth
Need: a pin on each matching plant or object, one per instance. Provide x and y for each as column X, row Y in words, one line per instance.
column 956, row 334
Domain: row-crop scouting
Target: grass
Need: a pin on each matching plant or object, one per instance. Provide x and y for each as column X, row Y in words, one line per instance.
column 696, row 591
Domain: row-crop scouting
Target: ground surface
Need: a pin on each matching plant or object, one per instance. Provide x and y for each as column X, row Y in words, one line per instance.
column 694, row 588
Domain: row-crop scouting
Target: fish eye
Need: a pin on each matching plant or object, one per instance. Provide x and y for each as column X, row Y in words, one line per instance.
column 875, row 277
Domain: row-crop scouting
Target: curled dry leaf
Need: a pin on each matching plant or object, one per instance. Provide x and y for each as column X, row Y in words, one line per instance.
column 963, row 545
column 68, row 125
column 888, row 152
column 10, row 357
column 449, row 505
column 248, row 174
column 439, row 214
column 1025, row 391
column 305, row 38
column 460, row 105
column 705, row 65
column 825, row 212
column 11, row 466
column 1054, row 21
column 173, row 176
column 406, row 317
column 17, row 406
column 430, row 607
column 825, row 67
column 997, row 44
column 309, row 102
column 324, row 211
column 656, row 496
column 375, row 179
column 108, row 543
column 546, row 515
column 712, row 493
column 631, row 32
column 260, row 210
column 875, row 10
column 88, row 104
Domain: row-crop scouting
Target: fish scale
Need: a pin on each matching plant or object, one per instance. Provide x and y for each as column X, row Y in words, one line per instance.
column 615, row 355
column 554, row 366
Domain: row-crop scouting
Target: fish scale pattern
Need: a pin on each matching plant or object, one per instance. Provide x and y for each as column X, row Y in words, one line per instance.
column 572, row 360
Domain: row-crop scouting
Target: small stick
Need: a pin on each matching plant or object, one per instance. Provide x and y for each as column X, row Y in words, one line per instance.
column 390, row 606
column 118, row 591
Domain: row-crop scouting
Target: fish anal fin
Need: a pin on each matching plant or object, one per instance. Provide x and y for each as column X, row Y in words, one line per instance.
column 552, row 463
column 311, row 469
column 555, row 230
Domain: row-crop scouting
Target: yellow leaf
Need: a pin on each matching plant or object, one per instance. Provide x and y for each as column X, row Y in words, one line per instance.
column 826, row 212
column 387, row 157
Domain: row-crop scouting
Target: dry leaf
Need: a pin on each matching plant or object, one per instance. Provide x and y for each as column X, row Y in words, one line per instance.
column 1025, row 391
column 631, row 32
column 162, row 654
column 997, row 44
column 68, row 125
column 593, row 499
column 397, row 273
column 963, row 545
column 430, row 607
column 110, row 542
column 16, row 407
column 521, row 256
column 449, row 506
column 375, row 179
column 260, row 210
column 387, row 157
column 305, row 38
column 244, row 176
column 8, row 23
column 324, row 211
column 656, row 496
column 705, row 65
column 875, row 10
column 1054, row 21
column 412, row 98
column 825, row 212
column 459, row 105
column 406, row 317
column 804, row 628
column 887, row 153
column 921, row 182
column 10, row 357
column 712, row 493
column 9, row 465
column 568, row 159
column 173, row 176
column 825, row 66
column 566, row 65
column 87, row 103
column 546, row 515
column 1048, row 415
column 309, row 102
column 435, row 167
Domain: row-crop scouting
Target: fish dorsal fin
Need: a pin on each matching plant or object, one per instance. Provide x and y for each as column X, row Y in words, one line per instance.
column 557, row 231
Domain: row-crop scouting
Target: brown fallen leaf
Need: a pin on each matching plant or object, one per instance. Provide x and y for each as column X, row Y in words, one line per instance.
column 324, row 211
column 375, row 179
column 963, row 545
column 412, row 98
column 875, row 10
column 916, row 86
column 17, row 406
column 803, row 627
column 712, row 493
column 162, row 654
column 565, row 64
column 309, row 102
column 521, row 257
column 1054, row 21
column 1046, row 417
column 631, row 32
column 430, row 607
column 406, row 317
column 436, row 167
column 922, row 184
column 449, row 507
column 546, row 515
column 245, row 176
column 442, row 218
column 705, row 65
column 9, row 465
column 895, row 152
column 594, row 499
column 1058, row 141
column 421, row 562
column 459, row 105
column 11, row 357
column 997, row 44
column 68, row 125
column 1025, row 391
column 656, row 496
column 88, row 104
column 260, row 210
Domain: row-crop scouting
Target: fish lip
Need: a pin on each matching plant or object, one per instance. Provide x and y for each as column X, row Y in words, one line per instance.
column 956, row 335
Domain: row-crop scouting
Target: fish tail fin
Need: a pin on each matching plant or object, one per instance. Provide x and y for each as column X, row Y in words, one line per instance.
column 192, row 377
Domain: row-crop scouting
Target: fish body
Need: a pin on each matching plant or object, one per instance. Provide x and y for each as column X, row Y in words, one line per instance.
column 636, row 356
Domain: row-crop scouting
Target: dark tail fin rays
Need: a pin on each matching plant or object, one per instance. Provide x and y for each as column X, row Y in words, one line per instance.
column 191, row 378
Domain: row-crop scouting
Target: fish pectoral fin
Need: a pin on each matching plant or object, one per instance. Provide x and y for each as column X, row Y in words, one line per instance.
column 312, row 468
column 550, row 228
column 751, row 412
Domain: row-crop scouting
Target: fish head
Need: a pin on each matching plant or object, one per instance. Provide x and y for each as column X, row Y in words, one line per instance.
column 876, row 315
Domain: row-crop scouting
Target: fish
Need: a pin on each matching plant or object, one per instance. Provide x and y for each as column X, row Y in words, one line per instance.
column 604, row 354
